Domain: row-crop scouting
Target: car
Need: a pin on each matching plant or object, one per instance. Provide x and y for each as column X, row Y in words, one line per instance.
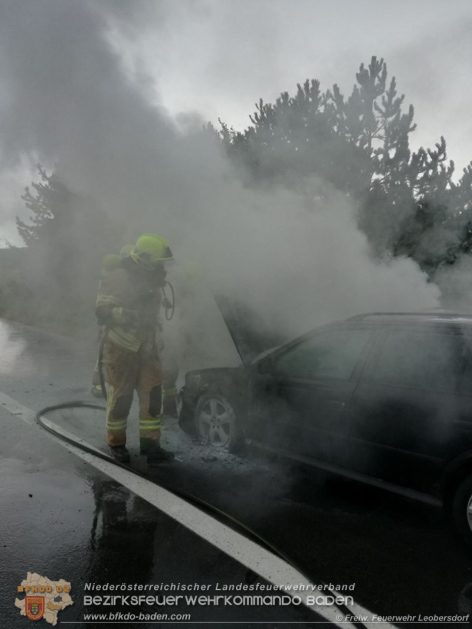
column 383, row 398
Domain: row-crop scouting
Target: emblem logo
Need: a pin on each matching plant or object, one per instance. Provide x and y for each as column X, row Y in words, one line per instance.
column 43, row 598
column 34, row 607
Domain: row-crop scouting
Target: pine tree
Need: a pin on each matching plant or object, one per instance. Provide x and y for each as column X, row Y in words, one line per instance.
column 361, row 145
column 66, row 238
column 51, row 206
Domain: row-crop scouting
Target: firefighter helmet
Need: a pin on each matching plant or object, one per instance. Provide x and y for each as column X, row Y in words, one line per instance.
column 151, row 250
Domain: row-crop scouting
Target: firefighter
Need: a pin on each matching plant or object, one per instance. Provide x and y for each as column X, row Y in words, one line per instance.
column 128, row 306
column 110, row 262
column 170, row 369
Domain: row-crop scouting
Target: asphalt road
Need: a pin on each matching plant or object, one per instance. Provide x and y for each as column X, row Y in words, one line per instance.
column 61, row 517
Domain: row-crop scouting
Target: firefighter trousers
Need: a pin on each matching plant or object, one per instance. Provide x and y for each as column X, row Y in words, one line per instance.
column 126, row 372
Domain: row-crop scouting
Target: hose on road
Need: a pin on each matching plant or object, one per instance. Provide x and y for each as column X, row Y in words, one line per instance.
column 180, row 493
column 195, row 500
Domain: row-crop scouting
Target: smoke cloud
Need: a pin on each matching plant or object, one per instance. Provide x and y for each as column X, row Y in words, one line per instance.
column 68, row 98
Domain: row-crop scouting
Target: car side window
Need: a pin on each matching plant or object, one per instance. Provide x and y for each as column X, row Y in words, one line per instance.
column 412, row 358
column 333, row 354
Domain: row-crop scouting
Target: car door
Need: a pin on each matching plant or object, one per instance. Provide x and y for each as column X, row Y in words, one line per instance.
column 301, row 405
column 406, row 404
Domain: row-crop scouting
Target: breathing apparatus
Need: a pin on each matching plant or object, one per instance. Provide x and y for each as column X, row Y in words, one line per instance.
column 168, row 305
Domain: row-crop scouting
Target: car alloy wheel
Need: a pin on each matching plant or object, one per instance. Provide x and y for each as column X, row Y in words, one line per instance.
column 216, row 422
column 469, row 513
column 462, row 509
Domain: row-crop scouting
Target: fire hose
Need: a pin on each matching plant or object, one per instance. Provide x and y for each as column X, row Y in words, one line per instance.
column 195, row 500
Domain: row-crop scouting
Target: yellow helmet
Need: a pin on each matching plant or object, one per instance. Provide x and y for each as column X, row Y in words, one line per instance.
column 150, row 250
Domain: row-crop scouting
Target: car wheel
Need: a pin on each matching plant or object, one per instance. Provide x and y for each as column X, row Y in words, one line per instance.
column 462, row 509
column 217, row 423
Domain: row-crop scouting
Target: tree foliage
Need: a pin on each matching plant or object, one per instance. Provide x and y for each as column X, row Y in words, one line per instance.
column 51, row 205
column 66, row 238
column 406, row 202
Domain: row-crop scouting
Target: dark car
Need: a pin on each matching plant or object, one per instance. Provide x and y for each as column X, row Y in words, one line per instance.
column 381, row 398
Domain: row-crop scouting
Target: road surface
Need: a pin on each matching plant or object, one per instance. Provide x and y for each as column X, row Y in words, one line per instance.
column 66, row 518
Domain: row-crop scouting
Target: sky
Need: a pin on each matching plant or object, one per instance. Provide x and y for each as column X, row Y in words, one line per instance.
column 220, row 57
column 214, row 59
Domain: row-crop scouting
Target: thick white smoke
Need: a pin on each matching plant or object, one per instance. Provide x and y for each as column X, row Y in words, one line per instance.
column 293, row 259
column 456, row 285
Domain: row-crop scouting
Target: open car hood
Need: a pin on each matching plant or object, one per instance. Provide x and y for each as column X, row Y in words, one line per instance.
column 247, row 329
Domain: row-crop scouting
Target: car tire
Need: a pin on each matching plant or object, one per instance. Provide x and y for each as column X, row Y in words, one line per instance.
column 217, row 424
column 462, row 510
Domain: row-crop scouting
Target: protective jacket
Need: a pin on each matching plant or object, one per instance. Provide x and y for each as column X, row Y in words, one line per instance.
column 128, row 304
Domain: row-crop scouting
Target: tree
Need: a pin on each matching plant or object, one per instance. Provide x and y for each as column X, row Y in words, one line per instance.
column 51, row 208
column 361, row 145
column 66, row 238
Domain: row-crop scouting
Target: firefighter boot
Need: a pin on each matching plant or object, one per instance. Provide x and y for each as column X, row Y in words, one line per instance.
column 154, row 452
column 120, row 453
